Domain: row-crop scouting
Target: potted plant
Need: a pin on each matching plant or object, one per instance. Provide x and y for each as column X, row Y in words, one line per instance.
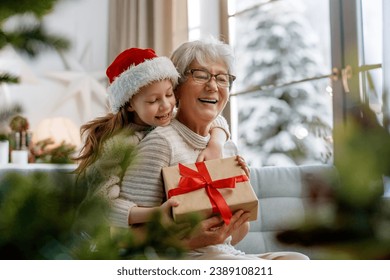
column 19, row 126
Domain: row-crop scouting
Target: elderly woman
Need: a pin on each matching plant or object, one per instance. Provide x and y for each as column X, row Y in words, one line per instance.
column 205, row 78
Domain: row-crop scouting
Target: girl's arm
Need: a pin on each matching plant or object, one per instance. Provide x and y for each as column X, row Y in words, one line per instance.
column 219, row 134
column 139, row 215
column 215, row 146
column 142, row 184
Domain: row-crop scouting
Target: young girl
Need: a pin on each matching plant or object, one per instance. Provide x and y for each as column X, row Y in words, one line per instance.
column 141, row 97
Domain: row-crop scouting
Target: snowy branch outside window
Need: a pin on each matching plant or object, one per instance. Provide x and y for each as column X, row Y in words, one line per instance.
column 289, row 125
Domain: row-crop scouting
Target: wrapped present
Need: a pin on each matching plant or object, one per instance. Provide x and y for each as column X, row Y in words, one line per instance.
column 209, row 188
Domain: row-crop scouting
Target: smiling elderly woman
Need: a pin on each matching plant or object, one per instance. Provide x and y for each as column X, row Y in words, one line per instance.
column 203, row 92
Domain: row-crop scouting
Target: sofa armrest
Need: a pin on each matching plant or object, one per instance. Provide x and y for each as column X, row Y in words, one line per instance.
column 283, row 194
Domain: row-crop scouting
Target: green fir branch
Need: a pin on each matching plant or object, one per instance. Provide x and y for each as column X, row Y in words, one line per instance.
column 38, row 8
column 8, row 79
column 32, row 40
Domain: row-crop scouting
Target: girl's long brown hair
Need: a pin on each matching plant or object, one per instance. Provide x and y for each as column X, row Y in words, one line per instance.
column 96, row 132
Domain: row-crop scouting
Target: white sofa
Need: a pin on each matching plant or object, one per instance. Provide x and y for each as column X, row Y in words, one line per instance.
column 283, row 194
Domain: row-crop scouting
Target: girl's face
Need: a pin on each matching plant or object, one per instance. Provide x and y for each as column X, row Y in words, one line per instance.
column 153, row 104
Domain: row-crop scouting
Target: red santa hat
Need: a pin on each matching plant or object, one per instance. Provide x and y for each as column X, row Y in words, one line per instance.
column 133, row 69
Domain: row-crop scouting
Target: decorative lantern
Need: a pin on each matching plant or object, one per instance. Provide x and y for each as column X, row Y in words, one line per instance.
column 59, row 130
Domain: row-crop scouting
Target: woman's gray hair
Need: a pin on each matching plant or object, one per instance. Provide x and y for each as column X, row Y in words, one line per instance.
column 202, row 51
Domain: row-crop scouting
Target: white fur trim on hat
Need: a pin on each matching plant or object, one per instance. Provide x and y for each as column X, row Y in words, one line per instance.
column 130, row 81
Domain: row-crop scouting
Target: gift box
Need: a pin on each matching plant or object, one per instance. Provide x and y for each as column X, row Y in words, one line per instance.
column 210, row 188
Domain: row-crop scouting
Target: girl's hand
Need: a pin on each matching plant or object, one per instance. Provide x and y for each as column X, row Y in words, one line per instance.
column 212, row 151
column 166, row 211
column 242, row 163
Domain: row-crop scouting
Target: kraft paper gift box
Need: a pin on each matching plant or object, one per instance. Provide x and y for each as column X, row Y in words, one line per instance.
column 209, row 188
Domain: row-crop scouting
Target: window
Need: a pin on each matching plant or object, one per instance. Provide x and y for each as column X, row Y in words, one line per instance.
column 301, row 65
column 357, row 54
column 203, row 18
column 371, row 30
column 282, row 98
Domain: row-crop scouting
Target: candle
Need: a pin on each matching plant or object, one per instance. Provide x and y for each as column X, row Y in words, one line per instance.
column 19, row 156
column 4, row 152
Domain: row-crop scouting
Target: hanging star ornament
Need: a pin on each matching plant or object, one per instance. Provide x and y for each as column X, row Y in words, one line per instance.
column 83, row 86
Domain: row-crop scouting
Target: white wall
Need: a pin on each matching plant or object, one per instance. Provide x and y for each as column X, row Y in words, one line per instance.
column 85, row 24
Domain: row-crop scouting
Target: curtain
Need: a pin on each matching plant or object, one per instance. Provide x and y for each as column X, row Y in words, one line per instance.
column 156, row 24
column 224, row 21
column 386, row 64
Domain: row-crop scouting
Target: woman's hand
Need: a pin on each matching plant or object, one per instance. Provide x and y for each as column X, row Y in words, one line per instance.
column 214, row 231
column 242, row 163
column 240, row 233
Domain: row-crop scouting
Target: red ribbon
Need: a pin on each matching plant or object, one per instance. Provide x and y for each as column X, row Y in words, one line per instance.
column 192, row 180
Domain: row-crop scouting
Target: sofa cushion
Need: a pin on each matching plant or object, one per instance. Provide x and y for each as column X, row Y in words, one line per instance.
column 283, row 194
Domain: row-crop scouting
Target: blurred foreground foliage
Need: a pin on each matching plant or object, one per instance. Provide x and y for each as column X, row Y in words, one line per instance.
column 349, row 217
column 40, row 219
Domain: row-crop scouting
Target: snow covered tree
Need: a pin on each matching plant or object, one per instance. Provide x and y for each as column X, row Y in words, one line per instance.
column 288, row 125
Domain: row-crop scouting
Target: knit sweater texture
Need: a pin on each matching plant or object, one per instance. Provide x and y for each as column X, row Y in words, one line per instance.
column 142, row 184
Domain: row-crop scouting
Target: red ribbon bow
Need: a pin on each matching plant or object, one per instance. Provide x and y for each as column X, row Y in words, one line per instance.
column 193, row 180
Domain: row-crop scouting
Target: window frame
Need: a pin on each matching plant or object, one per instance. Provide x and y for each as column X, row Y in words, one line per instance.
column 345, row 35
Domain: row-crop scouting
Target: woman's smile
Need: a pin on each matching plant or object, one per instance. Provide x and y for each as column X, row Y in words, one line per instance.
column 208, row 100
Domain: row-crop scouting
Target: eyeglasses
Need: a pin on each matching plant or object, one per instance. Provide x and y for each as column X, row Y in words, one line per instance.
column 203, row 77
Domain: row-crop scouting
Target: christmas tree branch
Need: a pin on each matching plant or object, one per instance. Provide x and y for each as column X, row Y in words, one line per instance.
column 8, row 78
column 32, row 40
